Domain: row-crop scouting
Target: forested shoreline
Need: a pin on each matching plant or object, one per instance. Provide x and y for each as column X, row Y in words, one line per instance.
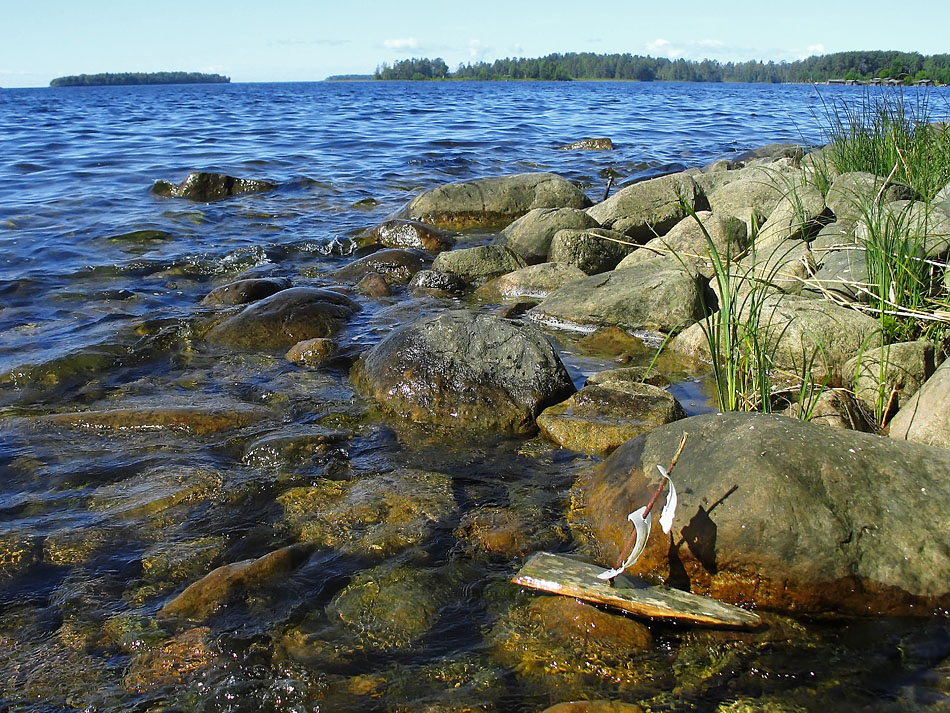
column 134, row 78
column 904, row 66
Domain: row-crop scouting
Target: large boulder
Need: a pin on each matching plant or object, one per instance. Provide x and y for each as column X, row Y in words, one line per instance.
column 465, row 370
column 852, row 194
column 783, row 514
column 799, row 215
column 479, row 264
column 657, row 295
column 285, row 318
column 203, row 186
column 530, row 236
column 494, row 202
column 650, row 208
column 884, row 379
column 926, row 416
column 593, row 251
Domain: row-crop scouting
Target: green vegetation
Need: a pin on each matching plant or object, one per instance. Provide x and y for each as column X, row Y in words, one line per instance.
column 133, row 78
column 906, row 66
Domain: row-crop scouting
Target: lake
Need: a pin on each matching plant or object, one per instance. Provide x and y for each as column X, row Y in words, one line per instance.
column 100, row 290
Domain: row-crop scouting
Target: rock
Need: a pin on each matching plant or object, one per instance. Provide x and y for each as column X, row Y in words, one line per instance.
column 652, row 295
column 156, row 496
column 795, row 330
column 478, row 265
column 535, row 281
column 687, row 239
column 199, row 420
column 751, row 200
column 649, row 208
column 613, row 343
column 411, row 235
column 244, row 291
column 770, row 153
column 220, row 586
column 438, row 283
column 373, row 516
column 494, row 202
column 291, row 447
column 787, row 265
column 604, row 706
column 593, row 251
column 925, row 418
column 464, row 370
column 782, row 514
column 390, row 608
column 504, row 532
column 285, row 318
column 397, row 266
column 840, row 275
column 851, row 195
column 884, row 379
column 799, row 215
column 373, row 285
column 925, row 227
column 628, row 375
column 530, row 236
column 202, row 186
column 599, row 418
column 312, row 352
column 832, row 407
column 180, row 560
column 602, row 144
column 169, row 664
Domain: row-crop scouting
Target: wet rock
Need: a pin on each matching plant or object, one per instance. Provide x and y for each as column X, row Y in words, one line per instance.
column 153, row 495
column 243, row 291
column 599, row 418
column 554, row 637
column 514, row 310
column 283, row 319
column 220, row 586
column 687, row 239
column 374, row 285
column 652, row 295
column 374, row 516
column 534, row 281
column 782, row 514
column 201, row 421
column 494, row 202
column 884, row 379
column 291, row 447
column 628, row 375
column 180, row 560
column 440, row 284
column 530, row 236
column 594, row 707
column 613, row 343
column 389, row 607
column 464, row 370
column 312, row 352
column 506, row 532
column 599, row 144
column 171, row 663
column 593, row 251
column 18, row 552
column 478, row 265
column 411, row 234
column 649, row 208
column 203, row 186
column 795, row 331
column 396, row 265
column 925, row 417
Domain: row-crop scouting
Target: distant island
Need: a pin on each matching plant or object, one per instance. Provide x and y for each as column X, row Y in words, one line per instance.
column 349, row 78
column 839, row 67
column 133, row 78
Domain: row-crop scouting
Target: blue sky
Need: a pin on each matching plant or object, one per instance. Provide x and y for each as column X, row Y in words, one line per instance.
column 293, row 40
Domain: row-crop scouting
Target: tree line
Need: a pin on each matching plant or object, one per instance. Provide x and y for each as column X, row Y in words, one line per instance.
column 132, row 78
column 906, row 66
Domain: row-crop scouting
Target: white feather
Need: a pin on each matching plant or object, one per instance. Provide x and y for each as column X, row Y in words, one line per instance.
column 642, row 525
column 669, row 510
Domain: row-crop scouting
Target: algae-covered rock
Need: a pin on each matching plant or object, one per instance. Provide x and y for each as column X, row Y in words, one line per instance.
column 530, row 236
column 653, row 295
column 494, row 202
column 285, row 318
column 149, row 494
column 198, row 420
column 169, row 664
column 599, row 418
column 598, row 144
column 479, row 264
column 204, row 186
column 507, row 532
column 411, row 234
column 290, row 447
column 243, row 291
column 779, row 513
column 396, row 265
column 312, row 352
column 464, row 370
column 374, row 516
column 649, row 208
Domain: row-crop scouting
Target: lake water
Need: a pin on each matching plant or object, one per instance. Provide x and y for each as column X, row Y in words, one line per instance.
column 100, row 284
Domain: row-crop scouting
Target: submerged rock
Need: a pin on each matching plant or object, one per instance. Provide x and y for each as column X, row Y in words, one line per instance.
column 396, row 265
column 494, row 202
column 199, row 420
column 778, row 513
column 464, row 370
column 599, row 418
column 285, row 318
column 598, row 144
column 172, row 662
column 243, row 291
column 411, row 234
column 203, row 186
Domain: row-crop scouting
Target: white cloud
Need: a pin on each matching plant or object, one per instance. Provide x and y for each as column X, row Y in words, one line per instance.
column 401, row 43
column 477, row 50
column 816, row 49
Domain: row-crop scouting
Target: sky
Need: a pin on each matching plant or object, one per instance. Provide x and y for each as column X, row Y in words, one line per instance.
column 294, row 40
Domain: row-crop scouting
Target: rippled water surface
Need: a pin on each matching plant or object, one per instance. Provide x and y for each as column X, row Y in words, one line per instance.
column 101, row 525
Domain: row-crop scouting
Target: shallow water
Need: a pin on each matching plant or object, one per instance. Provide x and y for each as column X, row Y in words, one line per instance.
column 100, row 284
